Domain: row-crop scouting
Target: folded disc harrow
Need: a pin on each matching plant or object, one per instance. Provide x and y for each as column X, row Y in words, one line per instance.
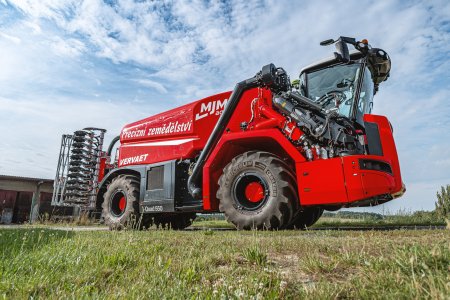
column 78, row 168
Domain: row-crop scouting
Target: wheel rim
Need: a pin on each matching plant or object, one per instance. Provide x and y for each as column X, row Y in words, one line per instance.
column 118, row 204
column 250, row 191
column 254, row 191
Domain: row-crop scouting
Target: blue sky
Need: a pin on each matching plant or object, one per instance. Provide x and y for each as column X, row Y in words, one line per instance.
column 65, row 65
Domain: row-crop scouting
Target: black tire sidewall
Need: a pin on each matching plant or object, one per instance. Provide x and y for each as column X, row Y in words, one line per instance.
column 265, row 170
column 119, row 184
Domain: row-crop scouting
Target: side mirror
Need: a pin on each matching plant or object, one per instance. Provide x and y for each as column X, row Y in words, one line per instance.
column 342, row 53
column 327, row 42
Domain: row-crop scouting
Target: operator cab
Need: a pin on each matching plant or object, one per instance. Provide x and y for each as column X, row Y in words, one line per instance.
column 348, row 81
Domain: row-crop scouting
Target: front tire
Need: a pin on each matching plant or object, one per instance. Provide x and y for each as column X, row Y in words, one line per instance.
column 121, row 204
column 257, row 191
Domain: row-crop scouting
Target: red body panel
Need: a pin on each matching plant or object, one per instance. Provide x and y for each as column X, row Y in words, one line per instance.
column 389, row 150
column 176, row 134
column 321, row 181
column 102, row 168
column 340, row 180
column 183, row 132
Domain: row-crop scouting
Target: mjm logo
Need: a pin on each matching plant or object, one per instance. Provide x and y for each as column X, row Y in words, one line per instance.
column 211, row 108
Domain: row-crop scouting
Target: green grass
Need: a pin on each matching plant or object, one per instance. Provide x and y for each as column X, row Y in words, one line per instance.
column 400, row 218
column 347, row 219
column 212, row 224
column 337, row 222
column 388, row 221
column 44, row 263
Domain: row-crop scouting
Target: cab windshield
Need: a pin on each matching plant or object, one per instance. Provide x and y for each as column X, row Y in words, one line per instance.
column 335, row 87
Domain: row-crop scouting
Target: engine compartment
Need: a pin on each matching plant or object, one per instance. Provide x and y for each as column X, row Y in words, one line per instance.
column 325, row 108
column 325, row 134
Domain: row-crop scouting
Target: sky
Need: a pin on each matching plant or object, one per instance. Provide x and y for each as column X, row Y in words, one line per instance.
column 66, row 65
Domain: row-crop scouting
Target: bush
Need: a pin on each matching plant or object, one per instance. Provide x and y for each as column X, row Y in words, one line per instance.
column 443, row 203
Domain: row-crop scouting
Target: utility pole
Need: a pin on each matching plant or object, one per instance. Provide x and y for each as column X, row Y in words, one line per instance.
column 34, row 212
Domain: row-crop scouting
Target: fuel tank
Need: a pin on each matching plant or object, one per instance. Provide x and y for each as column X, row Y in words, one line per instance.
column 175, row 134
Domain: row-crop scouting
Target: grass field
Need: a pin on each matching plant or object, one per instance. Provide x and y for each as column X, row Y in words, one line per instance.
column 341, row 222
column 157, row 264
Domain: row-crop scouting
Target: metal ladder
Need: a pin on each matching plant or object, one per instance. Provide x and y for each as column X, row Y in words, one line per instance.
column 76, row 180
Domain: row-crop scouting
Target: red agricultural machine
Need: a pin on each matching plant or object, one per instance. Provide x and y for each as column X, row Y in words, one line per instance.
column 270, row 154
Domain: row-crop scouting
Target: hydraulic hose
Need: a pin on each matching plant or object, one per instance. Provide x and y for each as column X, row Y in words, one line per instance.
column 111, row 145
column 194, row 183
column 311, row 104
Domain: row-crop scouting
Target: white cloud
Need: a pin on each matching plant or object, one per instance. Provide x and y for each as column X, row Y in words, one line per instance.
column 11, row 38
column 67, row 47
column 51, row 9
column 153, row 84
column 35, row 27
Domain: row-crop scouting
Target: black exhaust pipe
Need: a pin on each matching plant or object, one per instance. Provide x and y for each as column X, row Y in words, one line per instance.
column 194, row 180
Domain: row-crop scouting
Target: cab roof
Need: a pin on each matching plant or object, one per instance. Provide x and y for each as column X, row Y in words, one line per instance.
column 378, row 62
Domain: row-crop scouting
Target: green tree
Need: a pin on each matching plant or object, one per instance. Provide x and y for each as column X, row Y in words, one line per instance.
column 443, row 202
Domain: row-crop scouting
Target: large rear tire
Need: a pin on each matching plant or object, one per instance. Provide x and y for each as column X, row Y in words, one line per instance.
column 257, row 191
column 121, row 204
column 306, row 218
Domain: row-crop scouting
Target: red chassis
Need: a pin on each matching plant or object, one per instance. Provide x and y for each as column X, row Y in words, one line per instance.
column 337, row 181
column 271, row 154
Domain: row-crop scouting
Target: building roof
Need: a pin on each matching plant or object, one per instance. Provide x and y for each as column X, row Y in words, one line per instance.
column 29, row 179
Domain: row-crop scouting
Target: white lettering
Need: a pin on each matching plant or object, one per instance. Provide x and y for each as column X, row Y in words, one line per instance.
column 211, row 108
column 153, row 208
column 132, row 160
column 133, row 133
column 170, row 128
